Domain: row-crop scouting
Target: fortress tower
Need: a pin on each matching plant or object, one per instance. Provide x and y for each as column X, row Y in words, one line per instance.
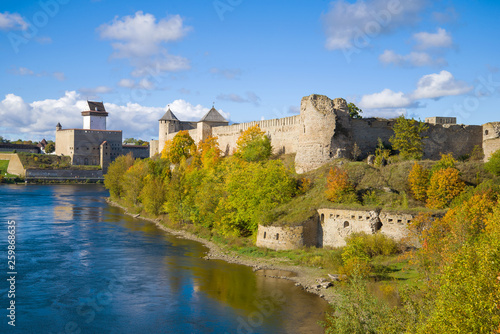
column 95, row 117
column 169, row 123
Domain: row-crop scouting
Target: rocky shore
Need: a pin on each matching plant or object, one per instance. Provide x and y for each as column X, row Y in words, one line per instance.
column 313, row 280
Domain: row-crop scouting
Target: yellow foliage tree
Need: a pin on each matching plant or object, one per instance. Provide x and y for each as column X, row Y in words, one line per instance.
column 419, row 182
column 209, row 152
column 253, row 145
column 445, row 185
column 181, row 146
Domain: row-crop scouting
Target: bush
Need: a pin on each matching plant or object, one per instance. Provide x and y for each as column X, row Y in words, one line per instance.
column 493, row 165
column 339, row 189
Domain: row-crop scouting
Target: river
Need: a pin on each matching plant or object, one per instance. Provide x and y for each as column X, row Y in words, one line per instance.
column 82, row 266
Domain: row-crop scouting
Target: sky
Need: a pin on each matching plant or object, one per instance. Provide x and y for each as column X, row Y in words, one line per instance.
column 253, row 60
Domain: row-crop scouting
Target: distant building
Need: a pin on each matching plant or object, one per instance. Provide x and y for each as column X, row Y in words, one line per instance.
column 441, row 120
column 94, row 144
column 25, row 148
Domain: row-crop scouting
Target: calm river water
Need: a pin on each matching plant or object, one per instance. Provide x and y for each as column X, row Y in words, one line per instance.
column 83, row 266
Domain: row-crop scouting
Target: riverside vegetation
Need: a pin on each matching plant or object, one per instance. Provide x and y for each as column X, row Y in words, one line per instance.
column 450, row 284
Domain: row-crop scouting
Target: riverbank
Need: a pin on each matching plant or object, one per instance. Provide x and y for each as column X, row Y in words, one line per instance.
column 313, row 280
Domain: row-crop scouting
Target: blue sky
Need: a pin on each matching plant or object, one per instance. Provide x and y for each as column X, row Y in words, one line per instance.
column 253, row 59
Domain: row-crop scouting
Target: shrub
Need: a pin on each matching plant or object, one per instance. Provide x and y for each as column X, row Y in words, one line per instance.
column 493, row 165
column 447, row 161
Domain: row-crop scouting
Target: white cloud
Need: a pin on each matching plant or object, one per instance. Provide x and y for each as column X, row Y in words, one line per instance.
column 38, row 119
column 95, row 93
column 26, row 71
column 437, row 85
column 385, row 112
column 385, row 99
column 440, row 39
column 140, row 39
column 226, row 73
column 250, row 97
column 348, row 23
column 413, row 59
column 12, row 21
column 127, row 83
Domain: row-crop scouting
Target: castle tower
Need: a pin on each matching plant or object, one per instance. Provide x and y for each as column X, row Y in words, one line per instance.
column 95, row 117
column 58, row 126
column 169, row 123
column 324, row 135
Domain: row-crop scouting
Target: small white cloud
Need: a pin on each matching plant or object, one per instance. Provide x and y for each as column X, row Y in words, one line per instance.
column 437, row 85
column 251, row 97
column 385, row 112
column 155, row 66
column 28, row 72
column 226, row 73
column 385, row 99
column 12, row 21
column 96, row 92
column 25, row 71
column 146, row 84
column 59, row 76
column 346, row 23
column 440, row 39
column 413, row 59
column 127, row 83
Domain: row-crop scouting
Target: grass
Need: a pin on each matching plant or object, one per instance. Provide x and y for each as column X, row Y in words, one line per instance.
column 45, row 161
column 4, row 165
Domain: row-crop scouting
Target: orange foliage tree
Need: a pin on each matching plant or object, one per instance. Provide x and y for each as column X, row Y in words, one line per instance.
column 339, row 189
column 445, row 185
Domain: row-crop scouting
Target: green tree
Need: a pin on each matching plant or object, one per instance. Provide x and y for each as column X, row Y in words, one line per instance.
column 50, row 147
column 354, row 111
column 493, row 164
column 253, row 145
column 153, row 194
column 134, row 181
column 181, row 146
column 419, row 182
column 113, row 180
column 407, row 138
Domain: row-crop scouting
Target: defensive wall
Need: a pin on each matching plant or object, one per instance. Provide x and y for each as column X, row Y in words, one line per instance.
column 8, row 147
column 330, row 227
column 324, row 131
column 64, row 175
column 15, row 165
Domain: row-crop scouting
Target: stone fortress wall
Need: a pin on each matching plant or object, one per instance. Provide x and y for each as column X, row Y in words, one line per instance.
column 330, row 227
column 324, row 131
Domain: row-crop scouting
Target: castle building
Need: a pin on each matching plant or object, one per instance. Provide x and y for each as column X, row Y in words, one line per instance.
column 94, row 144
column 324, row 131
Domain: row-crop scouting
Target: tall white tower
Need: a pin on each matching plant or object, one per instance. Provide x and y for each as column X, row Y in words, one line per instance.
column 95, row 117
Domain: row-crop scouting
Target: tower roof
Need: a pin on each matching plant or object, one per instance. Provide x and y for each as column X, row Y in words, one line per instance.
column 169, row 116
column 96, row 106
column 213, row 116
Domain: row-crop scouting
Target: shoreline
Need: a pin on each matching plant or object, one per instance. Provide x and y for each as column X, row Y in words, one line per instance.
column 309, row 279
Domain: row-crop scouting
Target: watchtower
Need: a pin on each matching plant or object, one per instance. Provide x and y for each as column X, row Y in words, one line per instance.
column 95, row 117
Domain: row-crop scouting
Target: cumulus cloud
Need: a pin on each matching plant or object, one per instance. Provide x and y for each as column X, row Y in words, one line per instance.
column 126, row 83
column 141, row 38
column 95, row 92
column 431, row 86
column 12, row 21
column 437, row 85
column 440, row 39
column 385, row 99
column 38, row 119
column 413, row 59
column 250, row 97
column 346, row 23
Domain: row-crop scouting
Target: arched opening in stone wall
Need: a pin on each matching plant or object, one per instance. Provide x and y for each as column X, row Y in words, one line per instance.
column 378, row 226
column 86, row 161
column 486, row 132
column 322, row 218
column 346, row 224
column 264, row 235
column 277, row 236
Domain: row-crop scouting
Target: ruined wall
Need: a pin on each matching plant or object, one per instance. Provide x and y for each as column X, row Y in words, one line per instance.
column 280, row 238
column 338, row 224
column 325, row 133
column 154, row 147
column 458, row 139
column 283, row 133
column 15, row 165
column 138, row 151
column 366, row 131
column 491, row 139
column 395, row 225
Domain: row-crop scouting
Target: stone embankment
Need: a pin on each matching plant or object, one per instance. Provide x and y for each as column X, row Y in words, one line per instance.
column 313, row 280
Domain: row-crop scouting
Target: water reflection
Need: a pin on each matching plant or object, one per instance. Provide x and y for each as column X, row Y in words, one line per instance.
column 86, row 266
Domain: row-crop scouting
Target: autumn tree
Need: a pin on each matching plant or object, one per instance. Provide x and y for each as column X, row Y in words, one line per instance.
column 113, row 179
column 209, row 151
column 339, row 188
column 50, row 147
column 181, row 146
column 407, row 138
column 444, row 186
column 419, row 182
column 153, row 194
column 493, row 164
column 253, row 145
column 133, row 181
